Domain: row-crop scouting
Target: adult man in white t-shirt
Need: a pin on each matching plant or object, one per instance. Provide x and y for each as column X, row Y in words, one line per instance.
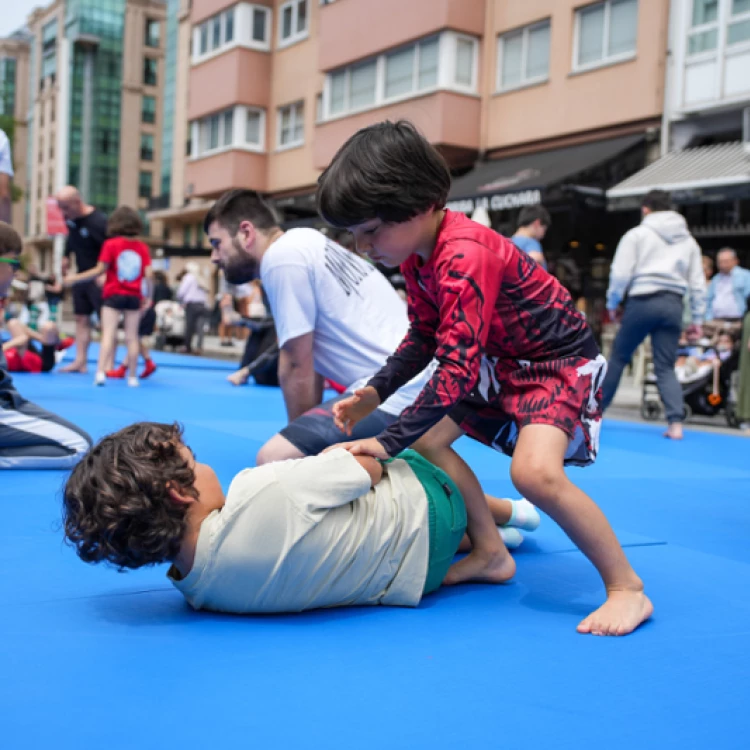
column 337, row 318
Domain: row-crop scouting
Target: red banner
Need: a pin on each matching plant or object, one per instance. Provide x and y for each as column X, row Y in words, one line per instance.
column 55, row 221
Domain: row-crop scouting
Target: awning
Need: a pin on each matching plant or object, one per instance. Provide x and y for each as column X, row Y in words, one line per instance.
column 520, row 180
column 707, row 173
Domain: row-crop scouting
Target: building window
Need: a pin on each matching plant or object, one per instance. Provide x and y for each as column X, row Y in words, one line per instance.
column 148, row 109
column 293, row 22
column 704, row 27
column 149, row 71
column 243, row 25
column 152, row 33
column 291, row 125
column 187, row 235
column 738, row 30
column 147, row 147
column 448, row 61
column 605, row 33
column 145, row 182
column 239, row 127
column 523, row 56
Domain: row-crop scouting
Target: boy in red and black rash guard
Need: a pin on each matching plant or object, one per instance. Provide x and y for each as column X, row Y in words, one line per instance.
column 518, row 366
column 481, row 306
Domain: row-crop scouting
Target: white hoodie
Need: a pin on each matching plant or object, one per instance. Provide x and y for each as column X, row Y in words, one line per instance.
column 660, row 255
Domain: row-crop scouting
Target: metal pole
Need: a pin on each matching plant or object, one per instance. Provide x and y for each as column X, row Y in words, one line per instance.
column 61, row 139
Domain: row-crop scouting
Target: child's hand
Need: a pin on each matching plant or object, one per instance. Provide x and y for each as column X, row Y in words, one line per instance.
column 368, row 447
column 349, row 411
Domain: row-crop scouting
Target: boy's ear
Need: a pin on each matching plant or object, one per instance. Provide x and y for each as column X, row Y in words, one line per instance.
column 178, row 495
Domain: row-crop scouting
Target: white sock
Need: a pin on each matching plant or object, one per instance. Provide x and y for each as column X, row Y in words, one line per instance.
column 133, row 383
column 523, row 515
column 100, row 378
column 512, row 538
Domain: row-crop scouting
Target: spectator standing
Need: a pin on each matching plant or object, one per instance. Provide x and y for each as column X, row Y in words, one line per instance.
column 6, row 175
column 655, row 265
column 533, row 223
column 193, row 296
column 727, row 293
column 87, row 230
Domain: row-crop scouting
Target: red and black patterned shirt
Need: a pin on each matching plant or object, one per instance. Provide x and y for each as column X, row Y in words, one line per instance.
column 477, row 295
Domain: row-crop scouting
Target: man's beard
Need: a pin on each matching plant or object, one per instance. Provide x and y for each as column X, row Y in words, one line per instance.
column 240, row 268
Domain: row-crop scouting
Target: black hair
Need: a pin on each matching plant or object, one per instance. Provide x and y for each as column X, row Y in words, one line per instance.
column 529, row 214
column 657, row 200
column 388, row 171
column 238, row 205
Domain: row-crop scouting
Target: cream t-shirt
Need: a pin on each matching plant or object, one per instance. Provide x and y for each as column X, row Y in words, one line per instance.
column 309, row 533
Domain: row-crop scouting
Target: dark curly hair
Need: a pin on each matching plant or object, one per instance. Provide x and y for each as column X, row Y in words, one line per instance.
column 116, row 504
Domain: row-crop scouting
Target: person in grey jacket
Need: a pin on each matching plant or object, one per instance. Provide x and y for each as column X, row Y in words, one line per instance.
column 655, row 265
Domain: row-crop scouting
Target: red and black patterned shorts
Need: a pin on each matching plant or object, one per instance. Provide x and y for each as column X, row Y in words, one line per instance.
column 509, row 395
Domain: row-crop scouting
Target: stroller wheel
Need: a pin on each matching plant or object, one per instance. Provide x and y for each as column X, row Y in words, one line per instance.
column 731, row 415
column 688, row 412
column 650, row 410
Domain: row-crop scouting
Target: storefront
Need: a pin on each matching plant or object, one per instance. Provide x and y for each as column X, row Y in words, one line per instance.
column 572, row 184
column 709, row 184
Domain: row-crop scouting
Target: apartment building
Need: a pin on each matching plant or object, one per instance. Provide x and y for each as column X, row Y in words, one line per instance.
column 96, row 107
column 14, row 64
column 551, row 100
column 706, row 133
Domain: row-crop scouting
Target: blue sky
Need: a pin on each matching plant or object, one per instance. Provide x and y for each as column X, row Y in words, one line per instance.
column 15, row 13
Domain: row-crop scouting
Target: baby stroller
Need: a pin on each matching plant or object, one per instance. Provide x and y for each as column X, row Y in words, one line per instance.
column 705, row 391
column 170, row 324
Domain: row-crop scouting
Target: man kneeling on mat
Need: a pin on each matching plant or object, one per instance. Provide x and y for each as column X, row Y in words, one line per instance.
column 323, row 531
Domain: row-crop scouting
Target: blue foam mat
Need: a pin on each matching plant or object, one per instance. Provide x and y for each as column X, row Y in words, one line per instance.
column 88, row 655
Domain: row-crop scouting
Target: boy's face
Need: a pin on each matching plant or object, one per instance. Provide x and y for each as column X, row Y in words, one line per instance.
column 8, row 268
column 210, row 492
column 391, row 244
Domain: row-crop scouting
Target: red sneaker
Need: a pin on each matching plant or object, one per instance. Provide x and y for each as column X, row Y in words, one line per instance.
column 149, row 369
column 65, row 343
column 118, row 373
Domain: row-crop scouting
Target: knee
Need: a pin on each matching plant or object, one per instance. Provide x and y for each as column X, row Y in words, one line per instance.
column 537, row 479
column 49, row 333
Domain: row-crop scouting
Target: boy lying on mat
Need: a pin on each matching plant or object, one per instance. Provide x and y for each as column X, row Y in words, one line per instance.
column 323, row 531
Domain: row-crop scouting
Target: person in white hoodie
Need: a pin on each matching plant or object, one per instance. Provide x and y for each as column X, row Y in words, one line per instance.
column 655, row 265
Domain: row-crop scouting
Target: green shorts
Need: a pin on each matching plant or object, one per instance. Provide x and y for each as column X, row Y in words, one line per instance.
column 446, row 513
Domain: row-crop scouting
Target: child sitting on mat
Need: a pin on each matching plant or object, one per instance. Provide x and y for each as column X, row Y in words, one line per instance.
column 323, row 531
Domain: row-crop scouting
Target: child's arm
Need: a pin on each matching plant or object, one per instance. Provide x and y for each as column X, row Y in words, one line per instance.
column 78, row 278
column 372, row 466
column 469, row 284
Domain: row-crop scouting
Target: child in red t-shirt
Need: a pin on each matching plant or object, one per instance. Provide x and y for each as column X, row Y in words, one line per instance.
column 518, row 366
column 126, row 261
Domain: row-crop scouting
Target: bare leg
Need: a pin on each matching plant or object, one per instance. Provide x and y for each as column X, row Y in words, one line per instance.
column 143, row 349
column 110, row 318
column 500, row 509
column 83, row 339
column 537, row 472
column 489, row 560
column 132, row 320
column 19, row 336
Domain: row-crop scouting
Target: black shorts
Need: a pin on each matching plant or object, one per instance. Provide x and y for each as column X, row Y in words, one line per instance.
column 314, row 430
column 122, row 302
column 87, row 298
column 148, row 321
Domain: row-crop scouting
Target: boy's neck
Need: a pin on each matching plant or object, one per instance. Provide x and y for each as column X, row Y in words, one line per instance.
column 432, row 229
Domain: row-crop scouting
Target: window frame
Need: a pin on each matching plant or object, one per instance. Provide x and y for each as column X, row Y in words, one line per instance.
column 447, row 44
column 140, row 184
column 296, row 36
column 525, row 34
column 242, row 32
column 292, row 107
column 238, row 141
column 606, row 60
column 733, row 18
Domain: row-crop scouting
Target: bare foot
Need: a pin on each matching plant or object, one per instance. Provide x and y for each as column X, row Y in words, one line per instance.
column 621, row 614
column 238, row 378
column 674, row 431
column 75, row 367
column 477, row 566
